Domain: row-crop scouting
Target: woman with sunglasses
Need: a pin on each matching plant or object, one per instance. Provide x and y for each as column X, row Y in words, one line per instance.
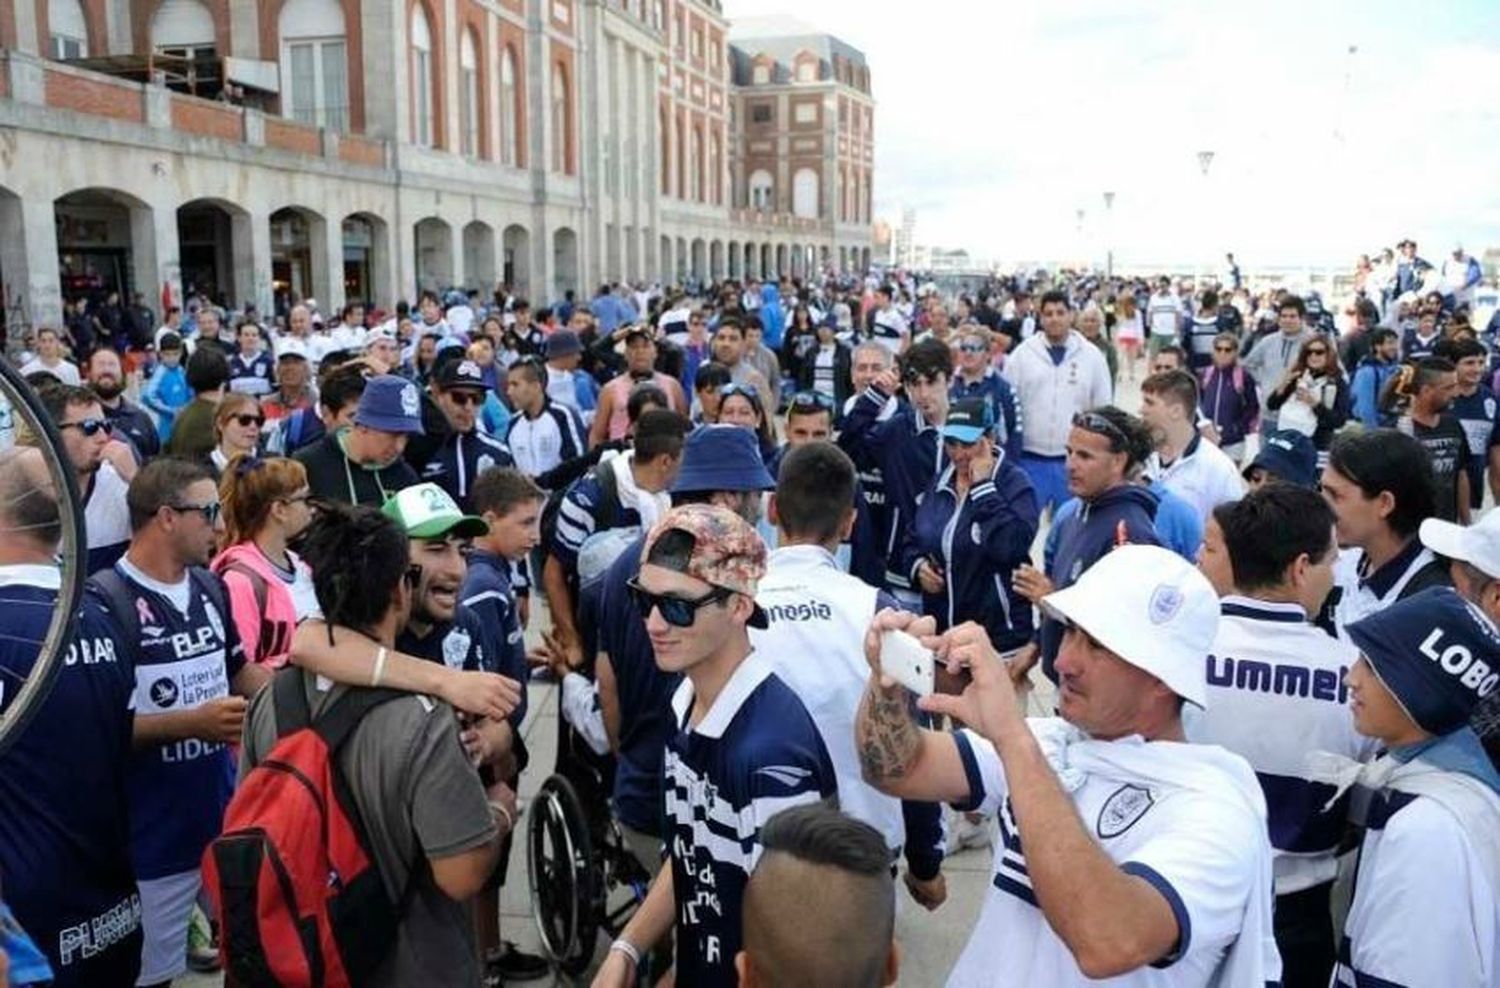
column 1312, row 397
column 264, row 502
column 237, row 427
column 1228, row 397
column 972, row 529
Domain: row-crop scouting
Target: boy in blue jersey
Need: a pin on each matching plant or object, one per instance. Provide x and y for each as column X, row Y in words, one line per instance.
column 1478, row 413
column 187, row 660
column 64, row 834
column 745, row 746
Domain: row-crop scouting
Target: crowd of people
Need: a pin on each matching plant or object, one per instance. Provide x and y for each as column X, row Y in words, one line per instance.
column 286, row 736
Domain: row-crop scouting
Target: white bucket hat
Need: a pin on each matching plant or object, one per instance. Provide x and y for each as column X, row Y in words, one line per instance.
column 1478, row 545
column 1150, row 607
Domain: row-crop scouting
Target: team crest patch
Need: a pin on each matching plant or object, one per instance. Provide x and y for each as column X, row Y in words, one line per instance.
column 1165, row 602
column 455, row 648
column 1122, row 809
column 411, row 402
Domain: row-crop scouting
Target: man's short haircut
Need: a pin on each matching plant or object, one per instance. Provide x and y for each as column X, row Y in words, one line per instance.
column 1267, row 529
column 343, row 387
column 502, row 489
column 1054, row 297
column 58, row 398
column 804, row 412
column 644, row 394
column 1429, row 369
column 1455, row 349
column 872, row 347
column 1383, row 334
column 711, row 377
column 927, row 359
column 1138, row 445
column 1230, row 338
column 1174, row 351
column 1174, row 385
column 820, row 908
column 207, row 370
column 1290, row 301
column 1210, row 299
column 814, row 491
column 730, row 322
column 659, row 431
column 358, row 557
column 28, row 500
column 1376, row 460
column 529, row 369
column 751, row 321
column 160, row 484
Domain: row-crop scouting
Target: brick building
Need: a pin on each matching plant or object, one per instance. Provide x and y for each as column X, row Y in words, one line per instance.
column 274, row 150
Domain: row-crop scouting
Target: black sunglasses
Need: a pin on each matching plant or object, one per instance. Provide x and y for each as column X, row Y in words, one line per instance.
column 90, row 427
column 210, row 512
column 1099, row 425
column 466, row 397
column 247, row 419
column 811, row 401
column 680, row 612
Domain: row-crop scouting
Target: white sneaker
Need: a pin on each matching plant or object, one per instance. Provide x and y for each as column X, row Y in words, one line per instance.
column 968, row 830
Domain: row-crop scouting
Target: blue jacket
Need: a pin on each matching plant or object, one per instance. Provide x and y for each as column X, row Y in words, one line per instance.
column 772, row 319
column 977, row 543
column 1177, row 523
column 1123, row 514
column 1002, row 397
column 489, row 593
column 459, row 461
column 909, row 461
column 1231, row 402
column 1364, row 393
column 166, row 393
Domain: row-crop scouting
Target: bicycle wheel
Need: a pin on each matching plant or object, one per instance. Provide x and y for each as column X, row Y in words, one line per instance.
column 34, row 652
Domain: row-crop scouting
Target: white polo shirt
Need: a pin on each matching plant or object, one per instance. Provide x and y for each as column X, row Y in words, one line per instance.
column 1275, row 692
column 1203, row 475
column 1197, row 850
column 816, row 644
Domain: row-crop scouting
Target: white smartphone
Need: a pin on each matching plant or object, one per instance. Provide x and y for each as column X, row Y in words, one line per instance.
column 905, row 660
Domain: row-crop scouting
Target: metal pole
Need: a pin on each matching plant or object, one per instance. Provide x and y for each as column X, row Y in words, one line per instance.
column 1109, row 236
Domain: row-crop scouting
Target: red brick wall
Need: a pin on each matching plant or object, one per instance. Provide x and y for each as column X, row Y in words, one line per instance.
column 198, row 116
column 95, row 96
column 270, row 50
column 361, row 151
column 291, row 136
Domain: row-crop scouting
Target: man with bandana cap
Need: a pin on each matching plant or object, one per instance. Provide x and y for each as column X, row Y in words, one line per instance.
column 1426, row 907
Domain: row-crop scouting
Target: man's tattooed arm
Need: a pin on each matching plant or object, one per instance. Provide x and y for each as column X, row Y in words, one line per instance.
column 887, row 734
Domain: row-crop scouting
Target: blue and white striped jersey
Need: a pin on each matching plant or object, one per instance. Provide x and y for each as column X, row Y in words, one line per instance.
column 755, row 753
column 1276, row 692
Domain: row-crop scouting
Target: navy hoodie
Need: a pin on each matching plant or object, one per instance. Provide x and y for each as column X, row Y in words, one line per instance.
column 977, row 547
column 909, row 460
column 1123, row 514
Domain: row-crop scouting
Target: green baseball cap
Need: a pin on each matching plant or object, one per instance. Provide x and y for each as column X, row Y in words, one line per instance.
column 425, row 511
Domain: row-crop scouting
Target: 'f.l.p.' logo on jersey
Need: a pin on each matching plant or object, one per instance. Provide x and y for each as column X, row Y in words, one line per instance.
column 1458, row 661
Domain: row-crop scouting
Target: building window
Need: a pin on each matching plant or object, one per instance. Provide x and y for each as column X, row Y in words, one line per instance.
column 762, row 190
column 761, row 113
column 315, row 63
column 760, row 75
column 658, row 14
column 715, row 169
column 695, row 44
column 70, row 34
column 695, row 166
column 681, row 146
column 805, row 194
column 807, row 70
column 714, row 57
column 806, row 113
column 510, row 135
column 468, row 95
column 422, row 109
column 562, row 136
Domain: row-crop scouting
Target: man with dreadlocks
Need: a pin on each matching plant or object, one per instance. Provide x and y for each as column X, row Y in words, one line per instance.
column 410, row 778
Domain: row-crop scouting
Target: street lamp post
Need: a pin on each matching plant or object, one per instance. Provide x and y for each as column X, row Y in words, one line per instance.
column 1205, row 160
column 1109, row 236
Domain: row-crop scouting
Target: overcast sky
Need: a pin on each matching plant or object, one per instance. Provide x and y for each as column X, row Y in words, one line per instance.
column 997, row 122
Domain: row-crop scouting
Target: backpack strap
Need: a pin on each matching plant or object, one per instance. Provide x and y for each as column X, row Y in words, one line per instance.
column 258, row 587
column 336, row 722
column 121, row 601
column 609, row 497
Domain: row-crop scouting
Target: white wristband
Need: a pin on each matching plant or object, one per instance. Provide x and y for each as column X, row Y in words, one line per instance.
column 379, row 672
column 510, row 821
column 628, row 949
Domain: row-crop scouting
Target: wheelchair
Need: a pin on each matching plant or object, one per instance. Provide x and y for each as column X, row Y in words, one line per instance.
column 583, row 877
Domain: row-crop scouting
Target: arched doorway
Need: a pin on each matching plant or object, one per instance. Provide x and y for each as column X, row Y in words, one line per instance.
column 299, row 257
column 214, row 248
column 367, row 263
column 106, row 242
column 479, row 257
column 564, row 262
column 433, row 243
column 515, row 269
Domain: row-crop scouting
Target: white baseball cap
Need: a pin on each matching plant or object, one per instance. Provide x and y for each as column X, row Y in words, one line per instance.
column 1478, row 545
column 1150, row 607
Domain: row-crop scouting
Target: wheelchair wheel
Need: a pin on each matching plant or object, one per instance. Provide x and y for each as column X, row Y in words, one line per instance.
column 34, row 644
column 564, row 878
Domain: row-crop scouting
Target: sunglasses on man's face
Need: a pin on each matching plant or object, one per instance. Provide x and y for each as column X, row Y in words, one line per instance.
column 90, row 427
column 1224, row 349
column 466, row 397
column 210, row 512
column 680, row 612
column 972, row 347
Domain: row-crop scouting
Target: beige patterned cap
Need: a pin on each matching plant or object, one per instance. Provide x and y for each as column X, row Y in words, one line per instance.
column 727, row 551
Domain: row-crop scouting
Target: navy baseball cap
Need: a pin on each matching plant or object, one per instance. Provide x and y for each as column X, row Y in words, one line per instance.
column 390, row 404
column 563, row 343
column 1291, row 456
column 969, row 420
column 1438, row 654
column 460, row 374
column 722, row 458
